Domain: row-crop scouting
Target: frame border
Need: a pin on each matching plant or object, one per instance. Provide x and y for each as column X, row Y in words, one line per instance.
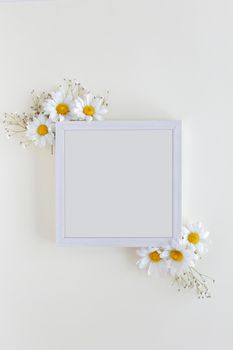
column 61, row 127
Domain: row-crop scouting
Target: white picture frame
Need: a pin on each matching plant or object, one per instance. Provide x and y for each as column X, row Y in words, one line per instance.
column 89, row 147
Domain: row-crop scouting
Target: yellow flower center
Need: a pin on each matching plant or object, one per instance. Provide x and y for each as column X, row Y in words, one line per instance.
column 62, row 108
column 193, row 237
column 154, row 256
column 176, row 255
column 42, row 130
column 89, row 110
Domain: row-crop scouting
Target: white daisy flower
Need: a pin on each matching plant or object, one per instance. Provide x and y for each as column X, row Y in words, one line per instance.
column 178, row 257
column 196, row 237
column 60, row 107
column 151, row 258
column 90, row 108
column 40, row 131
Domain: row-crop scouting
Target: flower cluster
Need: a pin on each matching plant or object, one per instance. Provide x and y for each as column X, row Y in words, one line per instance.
column 69, row 102
column 178, row 259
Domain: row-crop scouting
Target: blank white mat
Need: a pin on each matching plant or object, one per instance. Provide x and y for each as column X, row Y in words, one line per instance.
column 118, row 183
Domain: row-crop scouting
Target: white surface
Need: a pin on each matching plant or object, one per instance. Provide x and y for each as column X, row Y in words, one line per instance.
column 128, row 173
column 162, row 58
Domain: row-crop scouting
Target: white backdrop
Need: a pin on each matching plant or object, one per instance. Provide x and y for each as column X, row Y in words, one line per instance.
column 160, row 59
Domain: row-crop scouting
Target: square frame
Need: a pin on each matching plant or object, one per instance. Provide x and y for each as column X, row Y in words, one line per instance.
column 61, row 128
